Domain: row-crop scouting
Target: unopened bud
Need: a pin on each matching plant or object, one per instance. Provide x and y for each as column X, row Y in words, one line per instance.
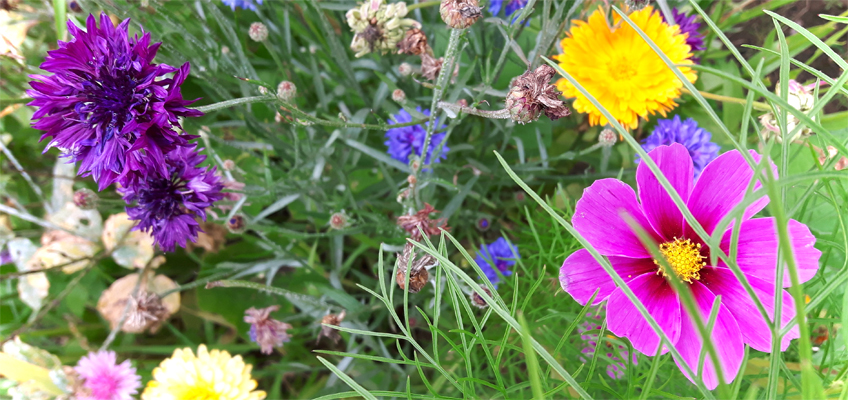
column 607, row 137
column 405, row 69
column 338, row 220
column 229, row 165
column 478, row 300
column 237, row 224
column 86, row 199
column 460, row 14
column 263, row 90
column 399, row 96
column 483, row 224
column 286, row 91
column 258, row 32
column 462, row 103
column 278, row 118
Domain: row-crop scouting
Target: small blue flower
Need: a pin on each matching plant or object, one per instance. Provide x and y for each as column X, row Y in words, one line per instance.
column 687, row 133
column 243, row 4
column 402, row 142
column 500, row 256
column 511, row 6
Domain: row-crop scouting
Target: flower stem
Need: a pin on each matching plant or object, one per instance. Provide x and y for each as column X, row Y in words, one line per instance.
column 757, row 105
column 441, row 83
column 235, row 102
column 494, row 114
column 423, row 4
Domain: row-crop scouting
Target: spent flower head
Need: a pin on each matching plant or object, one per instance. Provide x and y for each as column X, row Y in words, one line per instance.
column 265, row 331
column 460, row 14
column 411, row 223
column 531, row 94
column 419, row 265
column 378, row 26
column 328, row 332
column 414, row 43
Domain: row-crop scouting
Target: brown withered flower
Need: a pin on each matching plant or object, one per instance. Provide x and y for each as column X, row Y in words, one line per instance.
column 265, row 331
column 460, row 14
column 478, row 300
column 431, row 66
column 414, row 43
column 419, row 275
column 146, row 310
column 410, row 223
column 330, row 333
column 531, row 94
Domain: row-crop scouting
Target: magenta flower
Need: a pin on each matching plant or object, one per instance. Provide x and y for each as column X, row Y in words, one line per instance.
column 105, row 379
column 721, row 186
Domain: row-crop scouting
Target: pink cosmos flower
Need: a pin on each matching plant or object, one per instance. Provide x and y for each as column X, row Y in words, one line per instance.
column 721, row 186
column 104, row 379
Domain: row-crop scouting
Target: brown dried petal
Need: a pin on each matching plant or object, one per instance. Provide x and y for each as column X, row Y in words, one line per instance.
column 330, row 333
column 414, row 43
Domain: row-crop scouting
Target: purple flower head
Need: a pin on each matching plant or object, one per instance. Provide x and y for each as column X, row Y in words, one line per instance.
column 403, row 142
column 243, row 4
column 511, row 6
column 690, row 27
column 500, row 256
column 265, row 331
column 5, row 256
column 167, row 205
column 598, row 217
column 104, row 379
column 689, row 134
column 107, row 99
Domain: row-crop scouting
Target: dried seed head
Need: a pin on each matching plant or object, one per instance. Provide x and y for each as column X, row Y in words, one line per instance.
column 286, row 91
column 338, row 220
column 431, row 66
column 399, row 96
column 86, row 199
column 419, row 274
column 478, row 300
column 531, row 94
column 405, row 69
column 414, row 43
column 378, row 26
column 636, row 5
column 607, row 137
column 330, row 333
column 460, row 14
column 237, row 224
column 410, row 223
column 146, row 310
column 266, row 331
column 258, row 32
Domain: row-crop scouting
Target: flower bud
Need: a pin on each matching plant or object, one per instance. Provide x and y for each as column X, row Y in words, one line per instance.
column 286, row 91
column 258, row 32
column 460, row 14
column 237, row 224
column 399, row 96
column 607, row 137
column 483, row 224
column 478, row 300
column 86, row 199
column 338, row 220
column 405, row 69
column 229, row 165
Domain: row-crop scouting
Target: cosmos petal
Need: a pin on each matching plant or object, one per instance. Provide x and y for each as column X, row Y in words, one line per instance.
column 624, row 319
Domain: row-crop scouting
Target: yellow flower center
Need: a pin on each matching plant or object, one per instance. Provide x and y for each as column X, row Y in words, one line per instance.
column 684, row 257
column 622, row 69
column 198, row 392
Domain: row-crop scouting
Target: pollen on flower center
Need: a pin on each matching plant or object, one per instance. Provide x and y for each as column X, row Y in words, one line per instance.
column 622, row 69
column 684, row 257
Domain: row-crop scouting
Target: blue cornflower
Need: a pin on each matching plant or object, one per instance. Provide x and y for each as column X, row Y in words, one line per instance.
column 499, row 255
column 243, row 4
column 167, row 206
column 687, row 133
column 402, row 142
column 107, row 103
column 688, row 25
column 511, row 6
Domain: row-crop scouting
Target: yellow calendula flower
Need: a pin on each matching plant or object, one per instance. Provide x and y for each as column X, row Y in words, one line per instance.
column 620, row 69
column 211, row 375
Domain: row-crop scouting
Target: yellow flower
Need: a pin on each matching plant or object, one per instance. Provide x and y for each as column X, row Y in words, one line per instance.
column 211, row 375
column 620, row 70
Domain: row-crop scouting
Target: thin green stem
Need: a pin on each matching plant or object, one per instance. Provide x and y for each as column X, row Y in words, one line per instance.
column 423, row 4
column 727, row 99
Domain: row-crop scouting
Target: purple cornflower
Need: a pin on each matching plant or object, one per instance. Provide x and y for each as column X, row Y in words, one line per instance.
column 265, row 331
column 243, row 4
column 105, row 379
column 688, row 25
column 167, row 205
column 511, row 6
column 500, row 256
column 106, row 100
column 689, row 134
column 599, row 216
column 404, row 141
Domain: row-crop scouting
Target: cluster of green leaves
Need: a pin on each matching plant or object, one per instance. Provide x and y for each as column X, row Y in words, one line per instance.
column 434, row 343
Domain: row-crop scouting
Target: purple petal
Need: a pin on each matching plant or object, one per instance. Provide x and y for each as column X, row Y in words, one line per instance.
column 598, row 217
column 726, row 339
column 581, row 275
column 624, row 320
column 676, row 164
column 755, row 329
column 721, row 187
column 757, row 250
